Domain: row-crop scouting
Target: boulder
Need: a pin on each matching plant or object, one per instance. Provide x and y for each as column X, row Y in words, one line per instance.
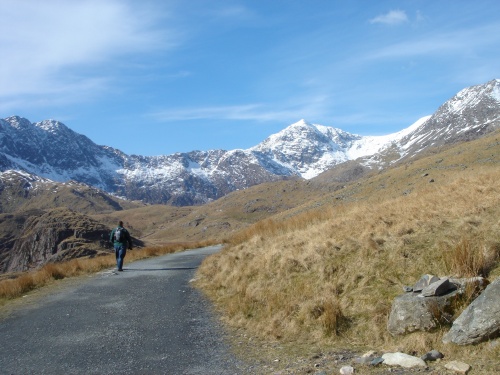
column 376, row 361
column 347, row 370
column 433, row 355
column 362, row 360
column 403, row 360
column 366, row 358
column 410, row 312
column 480, row 321
column 457, row 366
column 438, row 288
column 424, row 281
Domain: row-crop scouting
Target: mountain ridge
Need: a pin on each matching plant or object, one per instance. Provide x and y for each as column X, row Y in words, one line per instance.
column 28, row 200
column 302, row 150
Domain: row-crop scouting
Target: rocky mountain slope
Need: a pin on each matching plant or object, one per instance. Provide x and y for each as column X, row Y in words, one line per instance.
column 51, row 236
column 51, row 150
column 471, row 113
column 21, row 191
column 42, row 220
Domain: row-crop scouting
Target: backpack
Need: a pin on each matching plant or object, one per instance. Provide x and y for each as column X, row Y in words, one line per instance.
column 119, row 234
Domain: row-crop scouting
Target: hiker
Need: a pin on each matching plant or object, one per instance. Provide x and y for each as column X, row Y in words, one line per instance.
column 120, row 237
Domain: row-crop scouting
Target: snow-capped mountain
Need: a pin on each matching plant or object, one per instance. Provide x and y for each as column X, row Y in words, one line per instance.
column 302, row 150
column 310, row 149
column 470, row 113
column 52, row 150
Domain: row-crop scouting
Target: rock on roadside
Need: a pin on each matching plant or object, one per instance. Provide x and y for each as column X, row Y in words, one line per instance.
column 410, row 312
column 403, row 360
column 480, row 321
column 347, row 370
column 457, row 366
column 433, row 355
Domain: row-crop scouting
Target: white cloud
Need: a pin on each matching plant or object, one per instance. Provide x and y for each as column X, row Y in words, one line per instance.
column 310, row 107
column 394, row 17
column 232, row 11
column 253, row 112
column 459, row 42
column 58, row 45
column 236, row 112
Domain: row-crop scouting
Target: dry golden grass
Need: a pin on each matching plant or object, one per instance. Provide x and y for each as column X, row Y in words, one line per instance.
column 157, row 224
column 25, row 282
column 13, row 288
column 469, row 258
column 329, row 275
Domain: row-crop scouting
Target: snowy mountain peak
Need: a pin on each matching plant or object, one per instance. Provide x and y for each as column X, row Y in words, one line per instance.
column 303, row 133
column 470, row 113
column 52, row 126
column 474, row 95
column 17, row 122
column 300, row 123
column 51, row 150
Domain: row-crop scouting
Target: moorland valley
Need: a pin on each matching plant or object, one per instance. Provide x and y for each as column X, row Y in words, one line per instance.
column 343, row 244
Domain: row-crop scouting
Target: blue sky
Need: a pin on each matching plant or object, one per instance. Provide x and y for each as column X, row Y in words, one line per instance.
column 155, row 77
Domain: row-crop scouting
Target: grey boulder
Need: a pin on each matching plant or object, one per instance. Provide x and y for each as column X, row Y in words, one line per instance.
column 480, row 321
column 424, row 281
column 433, row 355
column 437, row 288
column 411, row 312
column 403, row 360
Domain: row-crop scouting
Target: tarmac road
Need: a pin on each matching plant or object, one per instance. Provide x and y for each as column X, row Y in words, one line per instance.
column 145, row 320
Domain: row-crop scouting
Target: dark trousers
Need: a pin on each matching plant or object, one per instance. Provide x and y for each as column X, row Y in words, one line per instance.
column 120, row 252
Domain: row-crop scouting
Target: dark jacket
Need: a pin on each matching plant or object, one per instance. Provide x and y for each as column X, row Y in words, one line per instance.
column 125, row 238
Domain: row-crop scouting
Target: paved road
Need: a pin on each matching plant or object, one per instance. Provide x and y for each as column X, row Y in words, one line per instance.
column 145, row 320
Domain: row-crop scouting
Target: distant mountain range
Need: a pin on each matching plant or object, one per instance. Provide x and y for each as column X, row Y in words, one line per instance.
column 51, row 150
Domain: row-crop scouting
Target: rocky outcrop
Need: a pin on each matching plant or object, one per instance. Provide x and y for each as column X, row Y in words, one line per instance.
column 53, row 236
column 480, row 321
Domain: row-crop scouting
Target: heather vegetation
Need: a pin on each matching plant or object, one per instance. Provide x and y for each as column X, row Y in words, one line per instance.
column 325, row 273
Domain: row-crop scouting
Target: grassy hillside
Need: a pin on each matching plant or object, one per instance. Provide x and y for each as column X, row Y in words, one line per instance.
column 158, row 224
column 326, row 272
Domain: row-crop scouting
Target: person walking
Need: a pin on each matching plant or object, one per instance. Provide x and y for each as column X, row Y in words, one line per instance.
column 120, row 237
